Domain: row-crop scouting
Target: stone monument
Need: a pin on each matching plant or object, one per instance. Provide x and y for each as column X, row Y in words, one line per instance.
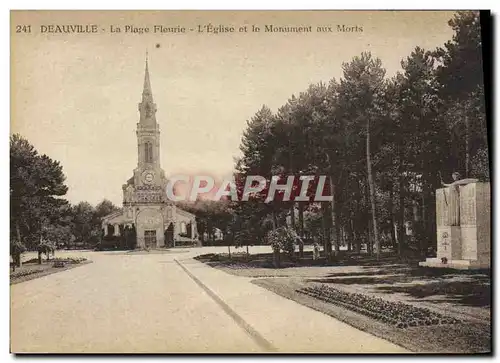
column 463, row 225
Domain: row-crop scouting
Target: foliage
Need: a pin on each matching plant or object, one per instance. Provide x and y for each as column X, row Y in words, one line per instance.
column 85, row 222
column 46, row 248
column 38, row 211
column 282, row 239
column 383, row 142
column 395, row 313
column 36, row 183
column 209, row 216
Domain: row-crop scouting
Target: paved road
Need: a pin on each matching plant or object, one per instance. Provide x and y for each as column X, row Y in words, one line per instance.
column 166, row 303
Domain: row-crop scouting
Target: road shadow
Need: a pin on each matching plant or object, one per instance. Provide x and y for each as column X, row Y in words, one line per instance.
column 387, row 275
column 467, row 293
column 265, row 260
column 463, row 287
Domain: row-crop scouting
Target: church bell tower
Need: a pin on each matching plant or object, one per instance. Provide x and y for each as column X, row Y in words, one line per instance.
column 147, row 212
column 149, row 171
column 148, row 130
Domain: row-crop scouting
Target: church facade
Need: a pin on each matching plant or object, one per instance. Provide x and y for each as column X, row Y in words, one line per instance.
column 156, row 221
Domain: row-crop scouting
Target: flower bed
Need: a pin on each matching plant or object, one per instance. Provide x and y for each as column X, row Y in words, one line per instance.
column 22, row 273
column 395, row 313
column 70, row 259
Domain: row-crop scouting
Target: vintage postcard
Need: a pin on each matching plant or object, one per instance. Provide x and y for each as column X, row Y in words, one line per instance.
column 249, row 182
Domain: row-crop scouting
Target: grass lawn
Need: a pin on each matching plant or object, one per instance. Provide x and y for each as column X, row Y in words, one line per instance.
column 31, row 269
column 462, row 296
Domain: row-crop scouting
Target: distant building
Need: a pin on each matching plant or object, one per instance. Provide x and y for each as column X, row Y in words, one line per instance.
column 156, row 220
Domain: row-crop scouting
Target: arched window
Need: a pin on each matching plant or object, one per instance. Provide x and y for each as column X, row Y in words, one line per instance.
column 148, row 152
column 183, row 228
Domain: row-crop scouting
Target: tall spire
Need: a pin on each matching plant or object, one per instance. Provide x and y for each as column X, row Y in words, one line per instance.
column 147, row 93
column 147, row 107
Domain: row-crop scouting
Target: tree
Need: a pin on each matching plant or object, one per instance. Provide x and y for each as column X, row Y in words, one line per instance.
column 280, row 239
column 36, row 185
column 421, row 137
column 209, row 216
column 459, row 72
column 362, row 89
column 104, row 208
column 382, row 144
column 16, row 251
column 84, row 222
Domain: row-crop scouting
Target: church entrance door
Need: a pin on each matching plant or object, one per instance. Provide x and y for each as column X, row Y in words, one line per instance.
column 150, row 238
column 169, row 235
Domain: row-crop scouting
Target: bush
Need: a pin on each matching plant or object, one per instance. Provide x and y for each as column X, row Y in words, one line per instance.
column 46, row 248
column 395, row 313
column 281, row 239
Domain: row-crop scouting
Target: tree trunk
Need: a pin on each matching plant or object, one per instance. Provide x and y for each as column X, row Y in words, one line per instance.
column 18, row 232
column 301, row 230
column 276, row 258
column 350, row 235
column 232, row 234
column 327, row 245
column 356, row 229
column 292, row 215
column 369, row 241
column 323, row 227
column 372, row 190
column 17, row 256
column 229, row 250
column 357, row 242
column 467, row 148
column 423, row 226
column 401, row 224
column 340, row 237
column 275, row 220
column 365, row 232
column 334, row 227
column 428, row 231
column 39, row 257
column 393, row 217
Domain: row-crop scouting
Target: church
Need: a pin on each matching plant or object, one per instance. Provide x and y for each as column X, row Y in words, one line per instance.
column 156, row 221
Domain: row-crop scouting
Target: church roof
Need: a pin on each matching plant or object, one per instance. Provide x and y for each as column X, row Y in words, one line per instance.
column 187, row 214
column 113, row 215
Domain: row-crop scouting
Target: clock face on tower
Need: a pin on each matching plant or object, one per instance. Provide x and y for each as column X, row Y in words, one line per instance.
column 148, row 177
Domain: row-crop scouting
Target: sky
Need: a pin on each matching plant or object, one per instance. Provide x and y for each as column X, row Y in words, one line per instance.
column 75, row 96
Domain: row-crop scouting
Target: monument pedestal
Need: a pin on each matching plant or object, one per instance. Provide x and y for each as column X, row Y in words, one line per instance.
column 456, row 264
column 449, row 247
column 475, row 223
column 466, row 246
